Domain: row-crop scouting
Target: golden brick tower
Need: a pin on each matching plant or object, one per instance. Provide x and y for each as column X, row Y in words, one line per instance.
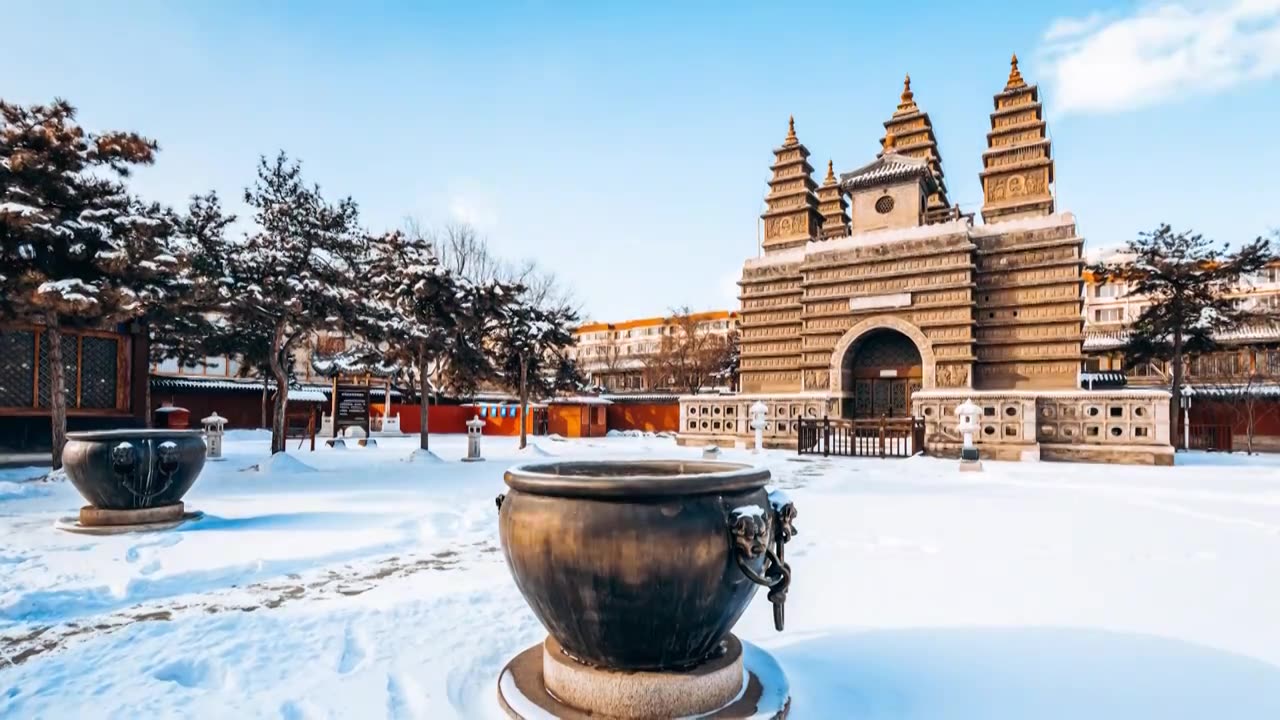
column 1017, row 173
column 791, row 217
column 913, row 136
column 833, row 205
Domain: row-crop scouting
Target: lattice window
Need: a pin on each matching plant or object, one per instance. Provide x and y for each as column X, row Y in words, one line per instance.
column 69, row 347
column 862, row 399
column 17, row 368
column 886, row 349
column 98, row 373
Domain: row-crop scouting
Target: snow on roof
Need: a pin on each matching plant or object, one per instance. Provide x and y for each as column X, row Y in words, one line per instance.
column 859, row 239
column 886, row 169
column 300, row 395
column 1265, row 331
column 1234, row 390
column 579, row 400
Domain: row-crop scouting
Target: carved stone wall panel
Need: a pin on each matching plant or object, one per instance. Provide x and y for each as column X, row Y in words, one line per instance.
column 769, row 273
column 953, row 375
column 942, row 297
column 1014, row 239
column 758, row 318
column 888, row 267
column 1016, row 185
column 1115, row 418
column 1017, row 138
column 1018, row 118
column 1020, row 296
column 771, row 363
column 772, row 286
column 1014, row 278
column 1015, row 260
column 1034, row 333
column 757, row 348
column 768, row 302
column 1030, row 351
column 817, row 379
column 1016, row 157
column 939, row 316
column 906, row 283
column 1014, row 100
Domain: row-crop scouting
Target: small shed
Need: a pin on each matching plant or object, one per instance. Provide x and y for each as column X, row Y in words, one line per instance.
column 578, row 416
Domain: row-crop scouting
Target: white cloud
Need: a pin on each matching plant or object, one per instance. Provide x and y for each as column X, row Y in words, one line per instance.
column 1163, row 51
column 472, row 205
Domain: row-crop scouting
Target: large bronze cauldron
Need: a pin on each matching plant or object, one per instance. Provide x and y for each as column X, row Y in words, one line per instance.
column 643, row 565
column 133, row 469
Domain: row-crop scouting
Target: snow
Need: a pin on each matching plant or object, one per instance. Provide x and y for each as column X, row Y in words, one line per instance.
column 367, row 586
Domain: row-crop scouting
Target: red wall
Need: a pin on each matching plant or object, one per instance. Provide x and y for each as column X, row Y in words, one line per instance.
column 449, row 419
column 651, row 417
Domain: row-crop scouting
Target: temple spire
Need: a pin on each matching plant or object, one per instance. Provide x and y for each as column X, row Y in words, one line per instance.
column 906, row 103
column 791, row 215
column 909, row 132
column 833, row 205
column 1015, row 77
column 1017, row 175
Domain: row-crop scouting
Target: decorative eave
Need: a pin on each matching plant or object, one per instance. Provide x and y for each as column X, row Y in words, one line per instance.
column 890, row 168
column 1009, row 149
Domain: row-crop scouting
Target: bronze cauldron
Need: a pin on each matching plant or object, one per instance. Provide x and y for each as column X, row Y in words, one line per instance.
column 133, row 469
column 643, row 565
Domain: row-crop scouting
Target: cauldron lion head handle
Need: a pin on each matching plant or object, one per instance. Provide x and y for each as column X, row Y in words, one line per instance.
column 750, row 531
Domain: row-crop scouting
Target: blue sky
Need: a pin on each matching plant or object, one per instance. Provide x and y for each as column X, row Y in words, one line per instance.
column 626, row 146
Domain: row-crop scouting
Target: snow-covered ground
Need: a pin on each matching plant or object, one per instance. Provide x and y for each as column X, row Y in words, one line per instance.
column 355, row 584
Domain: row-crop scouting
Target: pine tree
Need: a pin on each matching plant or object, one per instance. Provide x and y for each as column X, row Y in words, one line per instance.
column 531, row 347
column 76, row 249
column 1187, row 279
column 419, row 314
column 299, row 272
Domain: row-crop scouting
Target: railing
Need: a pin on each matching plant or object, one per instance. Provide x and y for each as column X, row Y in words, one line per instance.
column 886, row 437
column 1210, row 437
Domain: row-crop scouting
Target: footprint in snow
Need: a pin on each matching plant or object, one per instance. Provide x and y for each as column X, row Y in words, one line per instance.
column 191, row 674
column 353, row 652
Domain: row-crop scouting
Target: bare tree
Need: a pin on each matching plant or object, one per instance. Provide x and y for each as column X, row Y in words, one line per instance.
column 689, row 355
column 1246, row 392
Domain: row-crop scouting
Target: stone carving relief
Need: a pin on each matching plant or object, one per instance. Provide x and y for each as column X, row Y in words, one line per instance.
column 1014, row 138
column 1019, row 185
column 1017, row 118
column 1017, row 157
column 953, row 376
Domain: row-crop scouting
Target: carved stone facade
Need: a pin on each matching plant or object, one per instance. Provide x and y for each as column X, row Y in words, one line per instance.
column 833, row 206
column 994, row 311
column 1017, row 174
column 791, row 218
column 911, row 134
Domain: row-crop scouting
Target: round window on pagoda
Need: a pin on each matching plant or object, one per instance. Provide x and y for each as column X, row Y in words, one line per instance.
column 884, row 205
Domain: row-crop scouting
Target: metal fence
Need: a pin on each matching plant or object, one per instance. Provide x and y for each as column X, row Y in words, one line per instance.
column 885, row 437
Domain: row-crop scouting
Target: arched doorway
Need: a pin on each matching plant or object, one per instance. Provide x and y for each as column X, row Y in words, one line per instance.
column 880, row 372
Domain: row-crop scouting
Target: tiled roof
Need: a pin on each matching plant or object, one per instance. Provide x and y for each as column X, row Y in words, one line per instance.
column 1256, row 332
column 887, row 169
column 303, row 393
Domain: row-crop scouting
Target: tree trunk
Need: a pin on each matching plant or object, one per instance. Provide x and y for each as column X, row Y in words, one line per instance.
column 1176, row 391
column 263, row 422
column 282, row 391
column 57, row 390
column 524, row 401
column 148, row 421
column 423, row 411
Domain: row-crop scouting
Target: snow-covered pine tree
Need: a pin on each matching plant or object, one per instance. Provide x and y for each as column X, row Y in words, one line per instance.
column 298, row 272
column 76, row 249
column 419, row 307
column 530, row 349
column 1187, row 279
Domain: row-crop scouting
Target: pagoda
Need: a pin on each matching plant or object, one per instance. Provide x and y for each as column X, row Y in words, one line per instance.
column 833, row 205
column 913, row 137
column 791, row 215
column 1017, row 174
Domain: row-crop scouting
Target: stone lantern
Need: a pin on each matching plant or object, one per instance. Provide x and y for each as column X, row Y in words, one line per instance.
column 475, row 426
column 758, row 412
column 967, row 423
column 213, row 430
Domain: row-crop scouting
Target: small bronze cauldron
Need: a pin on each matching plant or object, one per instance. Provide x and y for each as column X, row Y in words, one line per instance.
column 643, row 565
column 133, row 469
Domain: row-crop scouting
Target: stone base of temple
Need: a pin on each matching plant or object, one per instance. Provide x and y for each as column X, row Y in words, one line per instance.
column 1106, row 426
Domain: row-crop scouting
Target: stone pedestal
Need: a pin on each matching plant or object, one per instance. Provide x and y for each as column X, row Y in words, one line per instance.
column 99, row 521
column 542, row 681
